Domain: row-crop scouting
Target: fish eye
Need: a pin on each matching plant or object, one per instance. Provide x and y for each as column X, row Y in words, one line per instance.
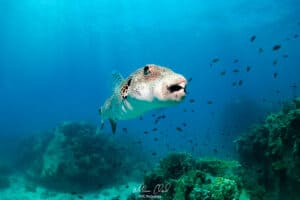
column 146, row 70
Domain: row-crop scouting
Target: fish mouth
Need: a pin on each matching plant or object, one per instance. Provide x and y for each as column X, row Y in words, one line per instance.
column 177, row 87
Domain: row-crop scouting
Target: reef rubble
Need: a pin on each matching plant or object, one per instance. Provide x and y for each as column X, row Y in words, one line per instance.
column 179, row 176
column 73, row 157
column 270, row 154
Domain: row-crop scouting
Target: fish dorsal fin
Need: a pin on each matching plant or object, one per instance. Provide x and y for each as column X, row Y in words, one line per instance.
column 117, row 80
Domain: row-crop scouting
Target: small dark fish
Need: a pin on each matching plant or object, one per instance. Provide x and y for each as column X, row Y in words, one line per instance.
column 146, row 132
column 124, row 130
column 156, row 121
column 209, row 102
column 287, row 39
column 276, row 47
column 296, row 36
column 215, row 60
column 260, row 50
column 80, row 196
column 234, row 84
column 240, row 83
column 184, row 124
column 252, row 38
column 285, row 55
column 154, row 129
column 191, row 141
column 275, row 74
column 185, row 110
column 190, row 79
column 236, row 70
column 275, row 62
column 73, row 193
column 235, row 60
column 163, row 116
column 126, row 186
column 154, row 153
column 192, row 100
column 141, row 118
column 294, row 85
column 155, row 139
column 223, row 73
column 193, row 110
column 215, row 150
column 179, row 129
column 248, row 68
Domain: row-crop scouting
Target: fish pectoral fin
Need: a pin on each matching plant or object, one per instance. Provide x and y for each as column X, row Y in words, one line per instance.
column 113, row 124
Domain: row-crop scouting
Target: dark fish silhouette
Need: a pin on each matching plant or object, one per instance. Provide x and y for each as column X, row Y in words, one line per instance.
column 285, row 55
column 296, row 36
column 252, row 38
column 275, row 74
column 215, row 60
column 124, row 130
column 155, row 139
column 235, row 60
column 209, row 102
column 260, row 50
column 190, row 79
column 248, row 68
column 184, row 124
column 192, row 100
column 240, row 83
column 275, row 62
column 236, row 70
column 154, row 129
column 234, row 84
column 146, row 132
column 276, row 47
column 154, row 153
column 179, row 129
column 223, row 73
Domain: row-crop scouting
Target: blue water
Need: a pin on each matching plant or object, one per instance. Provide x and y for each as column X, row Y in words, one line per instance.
column 56, row 59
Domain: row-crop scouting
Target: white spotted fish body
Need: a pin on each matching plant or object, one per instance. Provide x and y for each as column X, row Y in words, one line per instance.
column 148, row 88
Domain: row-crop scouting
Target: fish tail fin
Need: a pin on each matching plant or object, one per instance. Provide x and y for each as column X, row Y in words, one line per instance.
column 113, row 124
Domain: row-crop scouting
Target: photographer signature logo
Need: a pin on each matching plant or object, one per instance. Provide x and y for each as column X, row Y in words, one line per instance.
column 154, row 193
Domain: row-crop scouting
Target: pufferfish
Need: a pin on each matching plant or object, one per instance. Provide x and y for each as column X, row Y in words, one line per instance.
column 148, row 88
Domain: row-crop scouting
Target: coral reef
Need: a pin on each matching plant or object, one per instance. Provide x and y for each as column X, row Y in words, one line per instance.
column 270, row 153
column 180, row 177
column 73, row 157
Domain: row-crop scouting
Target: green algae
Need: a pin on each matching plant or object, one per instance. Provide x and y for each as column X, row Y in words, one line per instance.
column 193, row 179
